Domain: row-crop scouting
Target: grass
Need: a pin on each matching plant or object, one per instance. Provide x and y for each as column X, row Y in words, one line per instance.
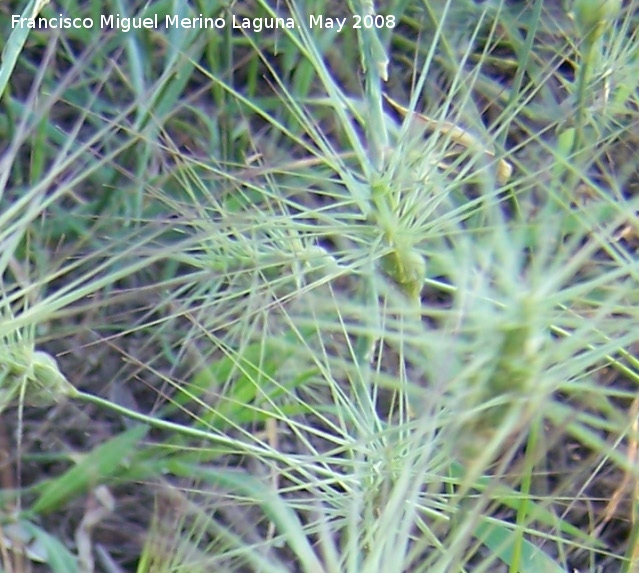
column 320, row 301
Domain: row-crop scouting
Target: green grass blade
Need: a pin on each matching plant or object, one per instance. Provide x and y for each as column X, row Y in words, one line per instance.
column 94, row 468
column 15, row 43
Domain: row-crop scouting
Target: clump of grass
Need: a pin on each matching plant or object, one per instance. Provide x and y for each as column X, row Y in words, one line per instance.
column 363, row 332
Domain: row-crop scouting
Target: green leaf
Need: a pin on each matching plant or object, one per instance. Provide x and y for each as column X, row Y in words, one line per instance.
column 256, row 382
column 501, row 538
column 55, row 554
column 15, row 43
column 94, row 468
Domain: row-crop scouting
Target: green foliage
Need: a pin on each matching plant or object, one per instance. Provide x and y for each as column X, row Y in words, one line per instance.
column 241, row 219
column 592, row 16
column 92, row 469
column 41, row 547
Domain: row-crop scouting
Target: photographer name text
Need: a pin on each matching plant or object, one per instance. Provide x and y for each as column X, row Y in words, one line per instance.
column 126, row 24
